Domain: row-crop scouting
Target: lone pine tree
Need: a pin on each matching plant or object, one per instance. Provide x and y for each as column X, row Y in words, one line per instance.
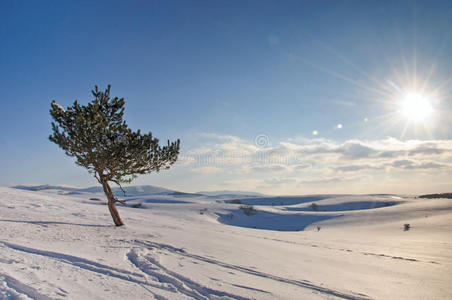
column 100, row 140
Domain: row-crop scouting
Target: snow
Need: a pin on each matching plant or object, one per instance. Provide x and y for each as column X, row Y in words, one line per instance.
column 58, row 106
column 174, row 246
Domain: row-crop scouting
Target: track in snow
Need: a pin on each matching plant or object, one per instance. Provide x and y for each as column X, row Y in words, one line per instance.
column 143, row 260
column 11, row 288
column 148, row 264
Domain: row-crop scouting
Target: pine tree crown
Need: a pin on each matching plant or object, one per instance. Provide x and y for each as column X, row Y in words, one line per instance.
column 100, row 140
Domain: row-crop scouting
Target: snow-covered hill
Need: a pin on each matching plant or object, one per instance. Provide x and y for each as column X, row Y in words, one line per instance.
column 229, row 193
column 133, row 191
column 130, row 190
column 57, row 246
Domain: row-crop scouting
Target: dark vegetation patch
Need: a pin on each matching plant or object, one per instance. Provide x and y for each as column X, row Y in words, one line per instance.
column 235, row 201
column 440, row 195
column 248, row 210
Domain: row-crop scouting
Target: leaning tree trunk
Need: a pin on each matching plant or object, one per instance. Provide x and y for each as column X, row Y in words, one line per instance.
column 112, row 203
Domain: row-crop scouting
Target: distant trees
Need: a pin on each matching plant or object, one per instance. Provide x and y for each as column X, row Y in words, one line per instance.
column 248, row 210
column 100, row 140
column 433, row 196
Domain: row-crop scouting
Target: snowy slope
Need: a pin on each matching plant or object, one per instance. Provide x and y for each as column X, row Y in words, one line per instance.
column 175, row 247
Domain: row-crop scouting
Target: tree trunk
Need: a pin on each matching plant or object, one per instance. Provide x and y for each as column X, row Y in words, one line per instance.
column 111, row 203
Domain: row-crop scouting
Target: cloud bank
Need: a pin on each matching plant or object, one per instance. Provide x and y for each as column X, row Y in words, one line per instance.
column 322, row 165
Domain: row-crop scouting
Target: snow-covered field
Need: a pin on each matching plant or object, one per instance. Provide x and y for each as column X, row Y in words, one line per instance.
column 62, row 244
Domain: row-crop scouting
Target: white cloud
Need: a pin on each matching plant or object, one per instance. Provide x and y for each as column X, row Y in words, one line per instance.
column 269, row 168
column 353, row 168
column 297, row 163
column 410, row 164
column 206, row 170
column 322, row 180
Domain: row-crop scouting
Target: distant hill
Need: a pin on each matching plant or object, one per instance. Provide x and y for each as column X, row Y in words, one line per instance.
column 136, row 190
column 441, row 195
column 130, row 190
column 185, row 194
column 226, row 193
column 44, row 187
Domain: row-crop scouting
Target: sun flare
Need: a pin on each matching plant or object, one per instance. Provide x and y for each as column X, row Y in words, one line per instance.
column 416, row 107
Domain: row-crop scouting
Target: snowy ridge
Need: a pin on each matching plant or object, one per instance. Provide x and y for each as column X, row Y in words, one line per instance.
column 130, row 190
column 134, row 191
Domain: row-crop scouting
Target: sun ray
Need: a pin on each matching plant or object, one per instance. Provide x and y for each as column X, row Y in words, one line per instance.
column 354, row 66
column 409, row 102
column 338, row 75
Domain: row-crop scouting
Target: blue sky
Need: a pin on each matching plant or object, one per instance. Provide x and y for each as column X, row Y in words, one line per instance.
column 220, row 74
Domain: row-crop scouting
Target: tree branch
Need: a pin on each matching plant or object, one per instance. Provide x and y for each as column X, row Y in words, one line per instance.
column 97, row 177
column 119, row 184
column 120, row 201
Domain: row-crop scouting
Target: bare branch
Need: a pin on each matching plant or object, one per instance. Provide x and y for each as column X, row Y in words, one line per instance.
column 97, row 177
column 119, row 184
column 120, row 201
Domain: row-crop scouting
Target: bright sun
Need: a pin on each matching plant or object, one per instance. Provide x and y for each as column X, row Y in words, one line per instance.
column 416, row 107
